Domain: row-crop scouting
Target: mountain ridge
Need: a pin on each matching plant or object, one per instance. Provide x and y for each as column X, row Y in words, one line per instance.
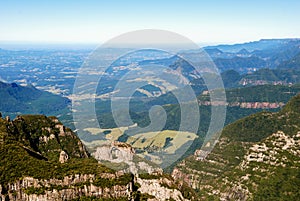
column 41, row 159
column 16, row 99
column 256, row 158
column 251, row 46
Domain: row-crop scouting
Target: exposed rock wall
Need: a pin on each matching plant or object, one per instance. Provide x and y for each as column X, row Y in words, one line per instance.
column 118, row 152
column 249, row 105
column 70, row 187
column 158, row 188
column 211, row 177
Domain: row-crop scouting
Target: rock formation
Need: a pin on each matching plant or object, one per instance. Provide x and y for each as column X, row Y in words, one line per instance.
column 63, row 157
column 41, row 160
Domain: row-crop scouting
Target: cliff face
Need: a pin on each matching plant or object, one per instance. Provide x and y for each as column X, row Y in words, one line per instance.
column 248, row 171
column 249, row 105
column 70, row 187
column 160, row 189
column 116, row 186
column 41, row 160
column 123, row 153
column 256, row 158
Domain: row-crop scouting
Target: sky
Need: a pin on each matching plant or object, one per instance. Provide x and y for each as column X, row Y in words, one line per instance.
column 96, row 21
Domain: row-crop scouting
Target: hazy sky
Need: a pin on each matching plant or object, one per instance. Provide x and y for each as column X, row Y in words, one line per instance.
column 203, row 21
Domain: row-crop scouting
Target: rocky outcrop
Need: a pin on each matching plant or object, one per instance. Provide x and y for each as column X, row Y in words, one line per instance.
column 119, row 152
column 254, row 82
column 249, row 105
column 270, row 151
column 237, row 192
column 63, row 157
column 116, row 152
column 159, row 188
column 91, row 185
column 41, row 160
column 234, row 175
column 257, row 105
column 70, row 187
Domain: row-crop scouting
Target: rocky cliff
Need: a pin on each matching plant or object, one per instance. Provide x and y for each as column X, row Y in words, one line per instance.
column 41, row 159
column 123, row 155
column 250, row 105
column 70, row 187
column 256, row 158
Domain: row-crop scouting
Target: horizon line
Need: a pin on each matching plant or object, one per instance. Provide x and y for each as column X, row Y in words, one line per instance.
column 76, row 44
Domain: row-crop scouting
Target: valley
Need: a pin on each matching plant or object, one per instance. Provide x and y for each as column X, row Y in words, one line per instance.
column 255, row 158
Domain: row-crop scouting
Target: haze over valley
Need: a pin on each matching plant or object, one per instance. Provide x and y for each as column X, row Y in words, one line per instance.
column 159, row 101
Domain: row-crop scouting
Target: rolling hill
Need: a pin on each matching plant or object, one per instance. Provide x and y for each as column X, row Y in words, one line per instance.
column 16, row 99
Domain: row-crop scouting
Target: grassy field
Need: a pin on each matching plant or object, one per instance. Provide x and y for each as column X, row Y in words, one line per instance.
column 167, row 140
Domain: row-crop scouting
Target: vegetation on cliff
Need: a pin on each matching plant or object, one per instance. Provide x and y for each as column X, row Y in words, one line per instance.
column 256, row 158
column 31, row 145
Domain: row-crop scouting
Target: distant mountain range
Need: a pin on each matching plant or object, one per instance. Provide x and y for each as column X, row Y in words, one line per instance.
column 256, row 158
column 57, row 69
column 272, row 61
column 252, row 56
column 265, row 76
column 263, row 44
column 292, row 64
